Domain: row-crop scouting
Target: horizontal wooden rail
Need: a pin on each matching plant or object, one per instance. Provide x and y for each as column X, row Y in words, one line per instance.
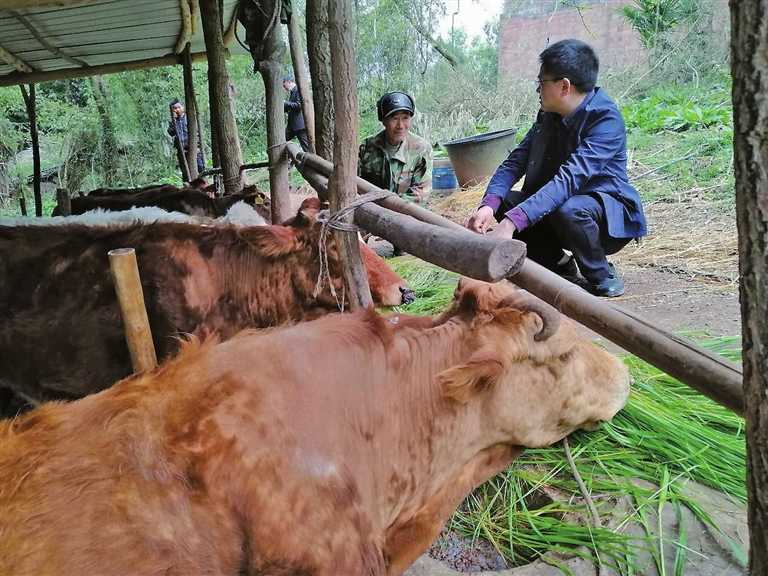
column 711, row 375
column 481, row 257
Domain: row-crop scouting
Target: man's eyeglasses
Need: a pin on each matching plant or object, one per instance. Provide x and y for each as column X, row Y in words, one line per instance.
column 540, row 81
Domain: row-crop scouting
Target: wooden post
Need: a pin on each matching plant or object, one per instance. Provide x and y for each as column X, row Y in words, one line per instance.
column 342, row 190
column 302, row 80
column 62, row 200
column 749, row 71
column 23, row 205
column 30, row 102
column 222, row 119
column 130, row 296
column 190, row 103
column 181, row 158
column 319, row 51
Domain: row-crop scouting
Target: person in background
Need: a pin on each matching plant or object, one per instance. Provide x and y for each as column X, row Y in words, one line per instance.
column 396, row 159
column 294, row 127
column 179, row 130
column 576, row 195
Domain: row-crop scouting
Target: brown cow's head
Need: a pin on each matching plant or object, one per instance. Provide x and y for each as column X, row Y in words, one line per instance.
column 536, row 378
column 387, row 288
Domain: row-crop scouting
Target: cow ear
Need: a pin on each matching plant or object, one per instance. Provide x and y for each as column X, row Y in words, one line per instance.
column 479, row 373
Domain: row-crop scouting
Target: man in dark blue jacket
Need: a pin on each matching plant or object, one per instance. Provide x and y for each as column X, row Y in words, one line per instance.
column 576, row 195
column 294, row 127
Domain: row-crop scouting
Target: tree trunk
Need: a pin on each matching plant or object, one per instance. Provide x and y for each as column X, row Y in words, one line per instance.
column 30, row 101
column 342, row 185
column 302, row 81
column 222, row 118
column 319, row 51
column 279, row 193
column 108, row 136
column 750, row 119
column 190, row 103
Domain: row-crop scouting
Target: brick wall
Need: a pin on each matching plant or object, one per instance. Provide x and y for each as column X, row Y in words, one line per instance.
column 600, row 24
column 529, row 26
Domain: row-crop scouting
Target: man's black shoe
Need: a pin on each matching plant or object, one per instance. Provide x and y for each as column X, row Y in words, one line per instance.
column 609, row 288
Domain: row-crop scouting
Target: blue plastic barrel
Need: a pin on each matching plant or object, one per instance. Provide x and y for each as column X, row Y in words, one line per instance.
column 443, row 177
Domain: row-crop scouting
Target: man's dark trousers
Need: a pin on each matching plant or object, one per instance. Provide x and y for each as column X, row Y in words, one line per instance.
column 577, row 226
column 302, row 137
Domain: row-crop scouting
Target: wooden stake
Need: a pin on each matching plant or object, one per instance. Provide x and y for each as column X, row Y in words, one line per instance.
column 130, row 296
column 29, row 100
column 191, row 105
column 62, row 199
column 302, row 79
column 23, row 205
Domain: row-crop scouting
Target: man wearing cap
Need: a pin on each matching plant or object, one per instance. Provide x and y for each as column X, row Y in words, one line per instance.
column 394, row 159
column 294, row 127
column 576, row 195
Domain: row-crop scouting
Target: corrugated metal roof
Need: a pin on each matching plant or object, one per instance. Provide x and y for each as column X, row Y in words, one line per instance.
column 99, row 32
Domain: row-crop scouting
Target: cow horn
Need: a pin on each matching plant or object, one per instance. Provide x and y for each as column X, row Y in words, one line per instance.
column 550, row 317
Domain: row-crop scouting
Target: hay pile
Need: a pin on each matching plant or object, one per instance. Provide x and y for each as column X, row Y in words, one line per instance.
column 694, row 237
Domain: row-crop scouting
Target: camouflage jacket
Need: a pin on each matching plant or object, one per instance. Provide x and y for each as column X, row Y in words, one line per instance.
column 408, row 173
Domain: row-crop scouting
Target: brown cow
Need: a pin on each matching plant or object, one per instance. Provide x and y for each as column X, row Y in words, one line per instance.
column 334, row 447
column 187, row 200
column 61, row 334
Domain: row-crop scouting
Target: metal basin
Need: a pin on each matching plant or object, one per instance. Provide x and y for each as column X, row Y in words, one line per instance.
column 475, row 158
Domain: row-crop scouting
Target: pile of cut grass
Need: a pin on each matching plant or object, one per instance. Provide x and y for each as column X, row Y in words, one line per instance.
column 667, row 435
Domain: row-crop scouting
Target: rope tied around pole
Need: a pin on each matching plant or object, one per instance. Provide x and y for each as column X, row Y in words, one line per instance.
column 337, row 221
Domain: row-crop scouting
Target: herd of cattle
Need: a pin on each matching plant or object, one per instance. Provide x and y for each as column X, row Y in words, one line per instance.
column 277, row 437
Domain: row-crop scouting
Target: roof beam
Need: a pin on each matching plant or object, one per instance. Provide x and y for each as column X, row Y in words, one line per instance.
column 32, row 4
column 34, row 76
column 186, row 27
column 15, row 61
column 47, row 45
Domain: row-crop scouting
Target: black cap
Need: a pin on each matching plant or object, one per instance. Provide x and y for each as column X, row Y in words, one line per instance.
column 393, row 102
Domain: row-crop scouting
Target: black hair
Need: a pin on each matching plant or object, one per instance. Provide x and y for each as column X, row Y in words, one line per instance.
column 174, row 102
column 572, row 59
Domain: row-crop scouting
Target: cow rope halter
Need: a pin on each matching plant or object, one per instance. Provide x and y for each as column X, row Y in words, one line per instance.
column 339, row 221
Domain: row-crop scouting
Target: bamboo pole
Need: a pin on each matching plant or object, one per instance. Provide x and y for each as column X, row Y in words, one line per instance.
column 711, row 375
column 130, row 296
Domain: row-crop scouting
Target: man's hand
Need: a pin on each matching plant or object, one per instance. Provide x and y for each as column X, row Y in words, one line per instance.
column 505, row 229
column 481, row 220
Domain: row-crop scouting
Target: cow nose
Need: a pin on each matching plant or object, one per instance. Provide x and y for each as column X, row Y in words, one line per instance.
column 408, row 295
